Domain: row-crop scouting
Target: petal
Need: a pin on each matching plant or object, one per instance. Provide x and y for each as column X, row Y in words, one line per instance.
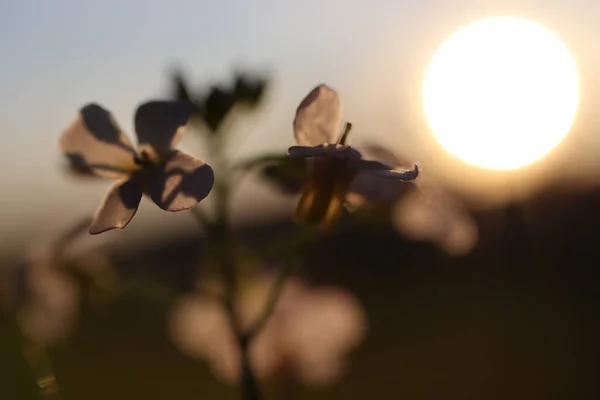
column 318, row 118
column 369, row 188
column 385, row 171
column 181, row 182
column 323, row 150
column 159, row 125
column 323, row 195
column 95, row 143
column 119, row 206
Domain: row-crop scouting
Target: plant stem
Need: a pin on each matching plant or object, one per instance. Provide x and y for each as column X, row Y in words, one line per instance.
column 290, row 266
column 222, row 238
column 41, row 366
column 272, row 300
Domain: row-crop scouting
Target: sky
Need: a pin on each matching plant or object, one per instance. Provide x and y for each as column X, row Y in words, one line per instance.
column 57, row 56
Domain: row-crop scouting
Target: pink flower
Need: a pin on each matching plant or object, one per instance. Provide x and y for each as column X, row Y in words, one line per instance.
column 49, row 302
column 174, row 180
column 310, row 334
column 432, row 215
column 47, row 296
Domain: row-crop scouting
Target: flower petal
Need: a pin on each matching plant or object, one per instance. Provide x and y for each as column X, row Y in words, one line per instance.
column 181, row 182
column 119, row 206
column 159, row 125
column 369, row 188
column 385, row 171
column 95, row 143
column 323, row 150
column 318, row 117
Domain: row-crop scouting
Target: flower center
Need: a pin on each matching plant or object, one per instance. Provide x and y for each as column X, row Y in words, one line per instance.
column 143, row 159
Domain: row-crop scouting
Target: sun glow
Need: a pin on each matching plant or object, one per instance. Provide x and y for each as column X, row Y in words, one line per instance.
column 501, row 93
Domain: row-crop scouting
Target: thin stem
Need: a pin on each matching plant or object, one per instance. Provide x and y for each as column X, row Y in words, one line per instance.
column 272, row 300
column 72, row 232
column 203, row 220
column 290, row 266
column 249, row 383
column 39, row 361
column 220, row 234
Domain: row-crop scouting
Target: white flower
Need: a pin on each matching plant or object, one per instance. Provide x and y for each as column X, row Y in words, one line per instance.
column 333, row 166
column 174, row 180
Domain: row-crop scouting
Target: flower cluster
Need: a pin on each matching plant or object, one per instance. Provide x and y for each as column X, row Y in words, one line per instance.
column 306, row 332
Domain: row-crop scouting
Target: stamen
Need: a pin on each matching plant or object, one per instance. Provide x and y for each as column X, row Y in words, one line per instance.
column 344, row 136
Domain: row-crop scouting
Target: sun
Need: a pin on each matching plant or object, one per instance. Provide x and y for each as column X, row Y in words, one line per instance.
column 501, row 93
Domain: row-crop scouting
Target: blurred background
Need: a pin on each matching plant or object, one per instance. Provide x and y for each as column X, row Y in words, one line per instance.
column 480, row 284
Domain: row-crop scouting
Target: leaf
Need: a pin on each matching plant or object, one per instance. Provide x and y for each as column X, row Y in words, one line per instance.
column 287, row 174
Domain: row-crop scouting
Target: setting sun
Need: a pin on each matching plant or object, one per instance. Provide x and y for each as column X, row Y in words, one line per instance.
column 501, row 93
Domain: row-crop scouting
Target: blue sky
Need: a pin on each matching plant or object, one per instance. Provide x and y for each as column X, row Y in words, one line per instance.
column 58, row 55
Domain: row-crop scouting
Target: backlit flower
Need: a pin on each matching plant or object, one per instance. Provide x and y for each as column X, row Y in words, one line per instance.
column 333, row 167
column 174, row 180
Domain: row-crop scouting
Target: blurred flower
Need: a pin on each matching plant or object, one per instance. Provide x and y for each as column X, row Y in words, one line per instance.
column 333, row 167
column 174, row 180
column 48, row 297
column 309, row 335
column 422, row 210
column 434, row 215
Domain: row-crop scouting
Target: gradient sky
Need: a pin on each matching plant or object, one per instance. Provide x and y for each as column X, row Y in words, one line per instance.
column 58, row 55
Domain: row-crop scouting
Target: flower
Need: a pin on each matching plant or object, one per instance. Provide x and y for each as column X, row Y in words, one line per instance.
column 46, row 294
column 422, row 211
column 432, row 214
column 174, row 180
column 333, row 167
column 48, row 298
column 309, row 335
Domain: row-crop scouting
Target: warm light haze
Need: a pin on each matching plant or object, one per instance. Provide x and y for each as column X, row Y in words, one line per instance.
column 501, row 93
